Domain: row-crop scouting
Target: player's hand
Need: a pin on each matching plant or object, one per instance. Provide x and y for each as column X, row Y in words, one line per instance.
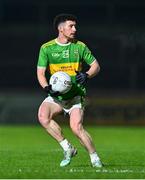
column 49, row 90
column 81, row 78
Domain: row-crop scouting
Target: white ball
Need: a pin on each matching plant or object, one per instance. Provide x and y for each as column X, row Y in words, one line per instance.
column 60, row 81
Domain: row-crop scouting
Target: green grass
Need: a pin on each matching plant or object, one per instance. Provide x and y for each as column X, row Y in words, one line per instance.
column 28, row 152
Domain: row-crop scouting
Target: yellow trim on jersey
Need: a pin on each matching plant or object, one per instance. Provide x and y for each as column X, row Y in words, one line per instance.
column 69, row 68
column 49, row 43
column 81, row 43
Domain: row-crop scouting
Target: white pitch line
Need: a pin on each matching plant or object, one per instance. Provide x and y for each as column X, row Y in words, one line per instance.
column 74, row 170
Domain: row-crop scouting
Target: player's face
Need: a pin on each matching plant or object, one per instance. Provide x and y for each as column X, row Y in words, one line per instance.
column 69, row 29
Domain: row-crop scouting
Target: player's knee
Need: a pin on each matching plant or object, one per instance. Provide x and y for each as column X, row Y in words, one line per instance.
column 76, row 128
column 44, row 121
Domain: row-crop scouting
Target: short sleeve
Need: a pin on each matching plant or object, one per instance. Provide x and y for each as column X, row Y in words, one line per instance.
column 88, row 56
column 43, row 59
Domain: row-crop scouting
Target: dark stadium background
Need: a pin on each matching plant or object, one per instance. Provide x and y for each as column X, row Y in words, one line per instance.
column 115, row 32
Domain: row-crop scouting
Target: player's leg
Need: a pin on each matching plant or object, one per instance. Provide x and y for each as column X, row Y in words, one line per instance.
column 76, row 119
column 47, row 112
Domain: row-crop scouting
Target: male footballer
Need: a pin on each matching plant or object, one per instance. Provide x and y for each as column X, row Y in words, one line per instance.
column 66, row 53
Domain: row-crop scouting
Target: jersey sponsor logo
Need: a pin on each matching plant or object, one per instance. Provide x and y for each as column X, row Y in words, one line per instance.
column 69, row 68
column 55, row 54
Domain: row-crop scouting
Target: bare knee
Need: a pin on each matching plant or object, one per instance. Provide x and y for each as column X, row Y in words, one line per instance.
column 46, row 112
column 44, row 116
column 76, row 129
column 44, row 121
column 76, row 119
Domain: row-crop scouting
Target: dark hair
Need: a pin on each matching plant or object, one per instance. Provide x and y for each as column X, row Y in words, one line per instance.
column 60, row 18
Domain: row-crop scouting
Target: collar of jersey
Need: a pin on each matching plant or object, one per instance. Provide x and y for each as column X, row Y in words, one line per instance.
column 61, row 44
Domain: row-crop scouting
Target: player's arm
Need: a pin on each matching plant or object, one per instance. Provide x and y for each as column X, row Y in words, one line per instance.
column 88, row 57
column 43, row 82
column 93, row 70
column 41, row 76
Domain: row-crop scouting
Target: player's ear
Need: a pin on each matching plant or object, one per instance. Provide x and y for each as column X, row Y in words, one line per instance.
column 60, row 27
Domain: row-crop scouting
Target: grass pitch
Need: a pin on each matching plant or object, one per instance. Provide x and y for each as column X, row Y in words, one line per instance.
column 28, row 152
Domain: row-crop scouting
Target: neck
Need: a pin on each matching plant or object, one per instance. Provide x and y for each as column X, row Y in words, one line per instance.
column 63, row 40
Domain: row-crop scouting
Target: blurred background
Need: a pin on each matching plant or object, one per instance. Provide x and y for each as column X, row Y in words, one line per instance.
column 115, row 32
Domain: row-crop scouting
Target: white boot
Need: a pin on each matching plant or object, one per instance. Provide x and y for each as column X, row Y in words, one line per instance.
column 71, row 152
column 95, row 160
column 97, row 163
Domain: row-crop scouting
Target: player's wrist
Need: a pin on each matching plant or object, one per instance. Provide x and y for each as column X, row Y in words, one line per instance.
column 47, row 88
column 87, row 75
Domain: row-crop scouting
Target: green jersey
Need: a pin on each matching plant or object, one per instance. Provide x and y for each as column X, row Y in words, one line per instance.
column 68, row 58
